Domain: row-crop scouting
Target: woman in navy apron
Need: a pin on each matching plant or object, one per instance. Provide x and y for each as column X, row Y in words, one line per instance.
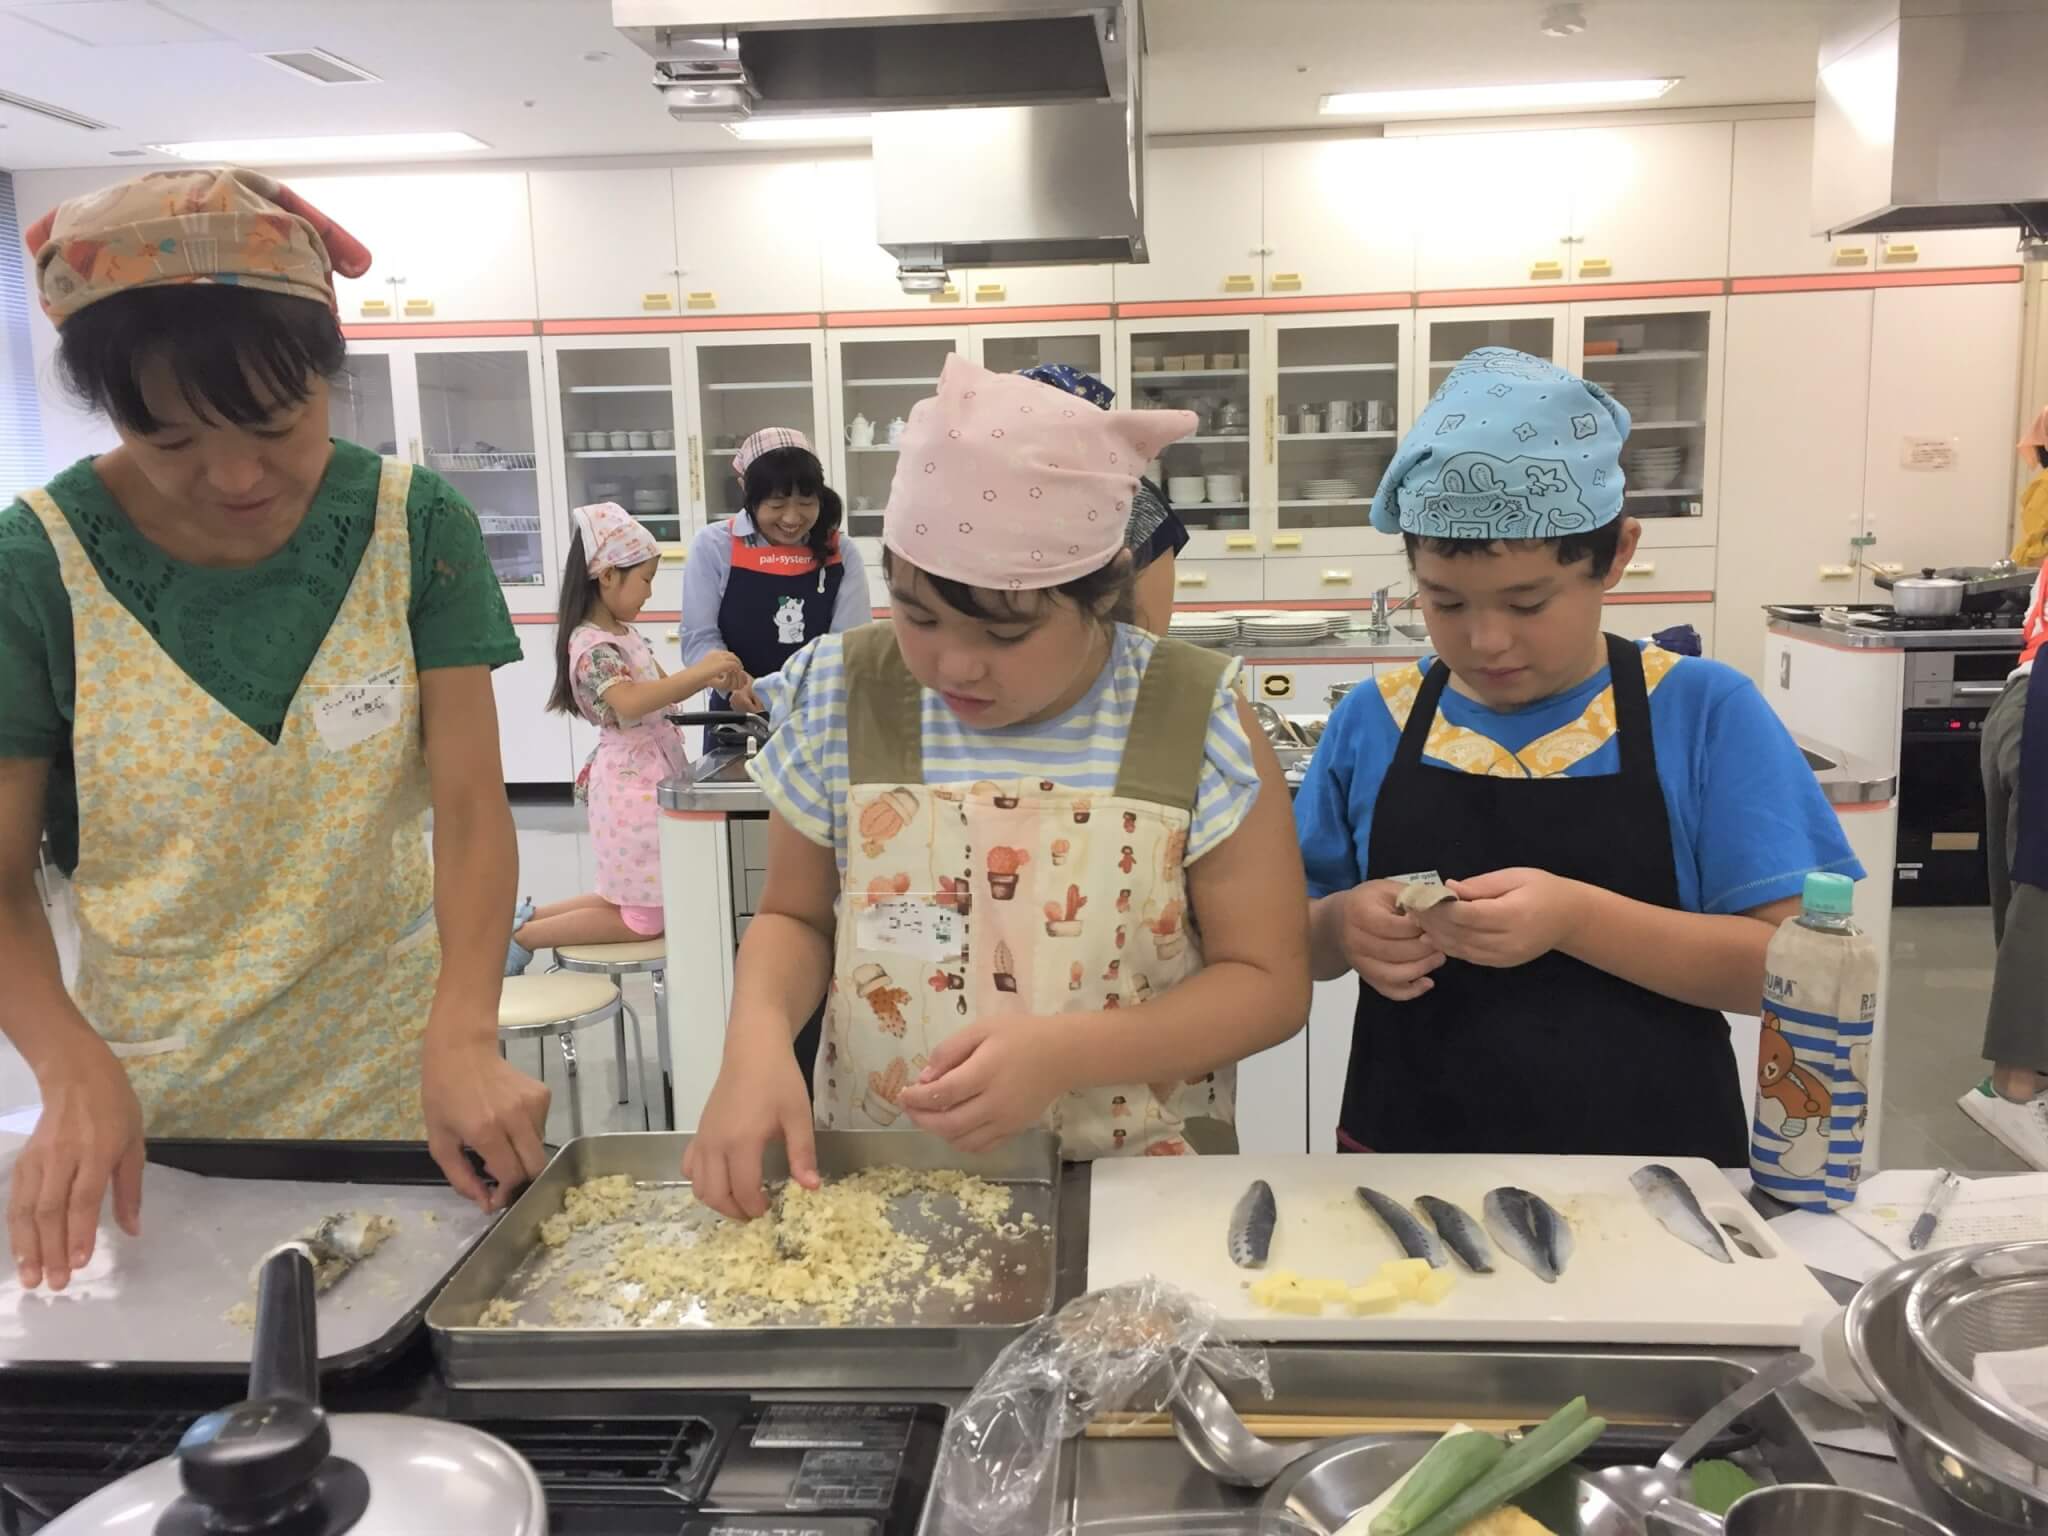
column 767, row 581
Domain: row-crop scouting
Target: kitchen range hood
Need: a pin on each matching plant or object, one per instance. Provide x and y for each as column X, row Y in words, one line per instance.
column 1006, row 132
column 1931, row 114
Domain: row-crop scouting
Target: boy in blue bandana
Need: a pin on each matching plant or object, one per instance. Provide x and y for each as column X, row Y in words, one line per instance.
column 1623, row 829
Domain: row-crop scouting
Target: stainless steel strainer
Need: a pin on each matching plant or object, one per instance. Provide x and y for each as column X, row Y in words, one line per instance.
column 1980, row 1301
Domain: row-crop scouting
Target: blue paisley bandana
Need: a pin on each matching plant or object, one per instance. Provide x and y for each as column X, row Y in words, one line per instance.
column 1511, row 447
column 1066, row 376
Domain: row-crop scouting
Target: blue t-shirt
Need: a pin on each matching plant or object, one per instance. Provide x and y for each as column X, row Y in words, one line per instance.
column 1748, row 820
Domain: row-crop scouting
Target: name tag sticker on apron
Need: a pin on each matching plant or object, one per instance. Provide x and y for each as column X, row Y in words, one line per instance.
column 357, row 711
column 913, row 927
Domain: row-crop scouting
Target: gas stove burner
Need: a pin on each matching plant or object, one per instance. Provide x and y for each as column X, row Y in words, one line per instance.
column 1883, row 618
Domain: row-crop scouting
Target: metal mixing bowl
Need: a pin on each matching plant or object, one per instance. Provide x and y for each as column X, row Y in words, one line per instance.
column 1969, row 1481
column 1976, row 1301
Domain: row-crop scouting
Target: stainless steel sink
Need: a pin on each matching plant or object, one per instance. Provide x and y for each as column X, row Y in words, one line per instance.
column 1116, row 1478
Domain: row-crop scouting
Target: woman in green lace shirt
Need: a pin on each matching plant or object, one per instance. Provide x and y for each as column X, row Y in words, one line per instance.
column 239, row 662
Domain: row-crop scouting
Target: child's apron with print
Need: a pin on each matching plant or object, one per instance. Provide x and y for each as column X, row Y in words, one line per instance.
column 621, row 777
column 255, row 933
column 966, row 901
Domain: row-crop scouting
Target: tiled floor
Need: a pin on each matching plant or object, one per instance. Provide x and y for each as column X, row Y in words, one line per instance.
column 1941, row 978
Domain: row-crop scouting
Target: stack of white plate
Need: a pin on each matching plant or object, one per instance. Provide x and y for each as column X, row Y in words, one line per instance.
column 1652, row 468
column 1634, row 395
column 1329, row 621
column 1203, row 628
column 1286, row 628
column 1329, row 490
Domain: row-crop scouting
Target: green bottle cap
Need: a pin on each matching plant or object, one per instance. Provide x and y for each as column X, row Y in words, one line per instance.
column 1830, row 895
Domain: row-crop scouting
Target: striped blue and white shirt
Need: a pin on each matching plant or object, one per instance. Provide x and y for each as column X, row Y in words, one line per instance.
column 804, row 769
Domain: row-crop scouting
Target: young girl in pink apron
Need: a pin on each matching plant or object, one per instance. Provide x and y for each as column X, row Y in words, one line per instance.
column 605, row 671
column 1040, row 863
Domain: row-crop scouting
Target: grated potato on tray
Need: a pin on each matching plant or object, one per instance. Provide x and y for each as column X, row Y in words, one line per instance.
column 849, row 1253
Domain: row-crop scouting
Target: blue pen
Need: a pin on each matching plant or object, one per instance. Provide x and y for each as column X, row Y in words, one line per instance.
column 1945, row 1187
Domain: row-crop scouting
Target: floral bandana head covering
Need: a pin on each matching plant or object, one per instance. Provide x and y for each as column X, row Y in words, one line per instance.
column 1012, row 485
column 769, row 440
column 202, row 226
column 612, row 540
column 1511, row 447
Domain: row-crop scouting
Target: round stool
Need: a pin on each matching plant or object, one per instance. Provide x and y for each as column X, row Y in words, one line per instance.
column 559, row 1004
column 618, row 961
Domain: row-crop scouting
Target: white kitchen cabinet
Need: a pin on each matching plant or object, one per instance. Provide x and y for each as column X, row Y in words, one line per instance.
column 1443, row 336
column 616, row 418
column 1218, row 581
column 1668, row 373
column 1337, row 389
column 856, row 273
column 534, row 744
column 1667, row 570
column 1770, row 211
column 1492, row 210
column 1649, row 204
column 1304, row 688
column 739, row 382
column 1337, row 578
column 1792, row 458
column 1909, row 250
column 1000, row 288
column 746, row 237
column 604, row 243
column 1332, row 1008
column 877, row 376
column 445, row 246
column 1338, row 216
column 1202, row 226
column 1944, row 369
column 1008, row 347
column 1208, row 367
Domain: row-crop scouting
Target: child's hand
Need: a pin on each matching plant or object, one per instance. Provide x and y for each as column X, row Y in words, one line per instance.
column 993, row 1079
column 759, row 1097
column 724, row 670
column 745, row 698
column 1508, row 917
column 1387, row 947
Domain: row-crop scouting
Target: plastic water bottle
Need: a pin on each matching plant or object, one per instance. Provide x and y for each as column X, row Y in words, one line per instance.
column 1813, row 1065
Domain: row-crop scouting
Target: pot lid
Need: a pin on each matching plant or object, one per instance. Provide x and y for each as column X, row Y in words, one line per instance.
column 419, row 1474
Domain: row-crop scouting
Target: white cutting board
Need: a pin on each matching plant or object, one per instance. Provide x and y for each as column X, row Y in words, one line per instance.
column 1629, row 1281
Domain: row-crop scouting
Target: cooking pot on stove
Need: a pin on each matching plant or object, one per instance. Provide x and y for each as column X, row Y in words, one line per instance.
column 1926, row 595
column 276, row 1465
column 1985, row 588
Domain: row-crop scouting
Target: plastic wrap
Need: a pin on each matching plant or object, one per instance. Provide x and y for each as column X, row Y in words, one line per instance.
column 1126, row 1348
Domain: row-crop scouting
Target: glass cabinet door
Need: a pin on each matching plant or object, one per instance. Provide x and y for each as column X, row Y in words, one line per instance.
column 1661, row 365
column 1012, row 348
column 618, row 423
column 1444, row 336
column 740, row 387
column 877, row 379
column 1338, row 411
column 478, row 411
column 361, row 407
column 1207, row 475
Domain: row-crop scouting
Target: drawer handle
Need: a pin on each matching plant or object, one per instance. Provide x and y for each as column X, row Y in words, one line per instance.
column 1640, row 568
column 1287, row 541
column 376, row 306
column 1336, row 578
column 1542, row 270
column 674, row 554
column 1596, row 266
column 703, row 301
column 1286, row 282
column 1191, row 578
column 1238, row 282
column 1902, row 252
column 657, row 301
column 946, row 295
column 990, row 293
column 1837, row 572
column 1852, row 256
column 1241, row 541
column 419, row 306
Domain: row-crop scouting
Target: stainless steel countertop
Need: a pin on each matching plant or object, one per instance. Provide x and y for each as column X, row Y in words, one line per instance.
column 1899, row 640
column 717, row 781
column 1845, row 778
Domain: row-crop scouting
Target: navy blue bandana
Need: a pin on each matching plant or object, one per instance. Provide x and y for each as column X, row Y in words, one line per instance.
column 1071, row 379
column 1511, row 447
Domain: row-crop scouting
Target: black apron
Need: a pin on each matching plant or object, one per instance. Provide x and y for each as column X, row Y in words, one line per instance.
column 778, row 598
column 1552, row 1056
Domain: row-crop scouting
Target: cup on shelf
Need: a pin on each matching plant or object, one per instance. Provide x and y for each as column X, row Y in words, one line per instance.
column 579, row 442
column 639, row 440
column 1224, row 487
column 620, row 441
column 1307, row 423
column 1379, row 415
column 1341, row 415
column 1187, row 490
column 663, row 439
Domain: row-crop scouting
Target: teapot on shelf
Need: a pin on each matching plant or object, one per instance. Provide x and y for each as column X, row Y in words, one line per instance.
column 860, row 432
column 896, row 430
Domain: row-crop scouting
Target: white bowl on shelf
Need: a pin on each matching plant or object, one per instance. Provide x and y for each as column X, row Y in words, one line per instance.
column 1187, row 490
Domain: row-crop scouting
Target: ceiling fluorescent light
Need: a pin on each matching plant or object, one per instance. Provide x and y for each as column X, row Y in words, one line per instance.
column 1459, row 100
column 802, row 128
column 332, row 146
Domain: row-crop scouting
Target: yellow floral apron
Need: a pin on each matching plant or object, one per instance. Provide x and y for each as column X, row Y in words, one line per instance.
column 965, row 901
column 252, row 942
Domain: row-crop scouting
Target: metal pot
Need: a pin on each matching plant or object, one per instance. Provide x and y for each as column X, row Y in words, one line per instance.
column 1231, row 419
column 1927, row 595
column 277, row 1464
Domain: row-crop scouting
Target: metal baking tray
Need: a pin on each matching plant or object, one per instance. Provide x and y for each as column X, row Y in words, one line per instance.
column 937, row 1344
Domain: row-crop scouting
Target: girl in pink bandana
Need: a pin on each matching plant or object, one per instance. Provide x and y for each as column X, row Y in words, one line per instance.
column 1039, row 862
column 605, row 671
